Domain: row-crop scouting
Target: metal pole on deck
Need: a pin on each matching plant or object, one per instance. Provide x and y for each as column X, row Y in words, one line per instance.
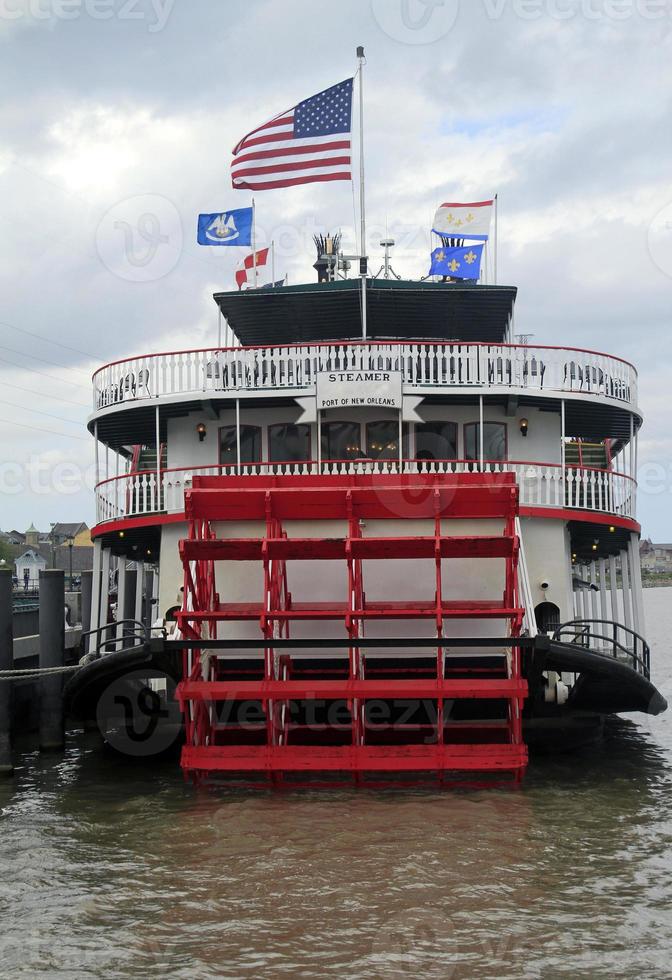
column 494, row 276
column 126, row 610
column 480, row 433
column 6, row 663
column 401, row 440
column 96, row 451
column 86, row 592
column 237, row 435
column 52, row 654
column 563, row 471
column 148, row 617
column 139, row 586
column 158, row 459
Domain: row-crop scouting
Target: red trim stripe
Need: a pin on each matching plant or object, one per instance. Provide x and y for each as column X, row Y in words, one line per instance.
column 474, row 204
column 282, row 120
column 291, row 151
column 298, row 165
column 397, row 343
column 290, row 182
column 550, row 513
column 271, row 138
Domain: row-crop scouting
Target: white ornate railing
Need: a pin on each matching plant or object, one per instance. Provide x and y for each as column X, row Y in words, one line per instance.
column 541, row 484
column 423, row 365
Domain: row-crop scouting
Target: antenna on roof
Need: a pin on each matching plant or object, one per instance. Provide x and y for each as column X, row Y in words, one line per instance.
column 386, row 267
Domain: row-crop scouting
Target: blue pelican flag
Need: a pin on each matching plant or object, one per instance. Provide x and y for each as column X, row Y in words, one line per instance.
column 458, row 263
column 226, row 228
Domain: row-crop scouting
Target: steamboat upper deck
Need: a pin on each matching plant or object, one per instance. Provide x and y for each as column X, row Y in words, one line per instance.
column 450, row 345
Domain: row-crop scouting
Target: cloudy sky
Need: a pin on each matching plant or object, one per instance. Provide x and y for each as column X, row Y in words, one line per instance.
column 117, row 109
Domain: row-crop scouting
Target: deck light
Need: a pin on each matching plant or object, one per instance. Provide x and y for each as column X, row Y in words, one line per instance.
column 121, row 534
column 612, row 528
column 523, row 427
column 595, row 544
column 202, row 430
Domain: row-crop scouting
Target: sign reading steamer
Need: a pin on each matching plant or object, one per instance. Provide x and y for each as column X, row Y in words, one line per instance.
column 359, row 389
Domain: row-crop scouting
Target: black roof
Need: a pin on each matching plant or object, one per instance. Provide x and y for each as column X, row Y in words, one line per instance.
column 395, row 310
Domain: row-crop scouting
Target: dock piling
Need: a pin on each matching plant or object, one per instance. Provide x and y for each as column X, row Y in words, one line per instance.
column 6, row 663
column 52, row 654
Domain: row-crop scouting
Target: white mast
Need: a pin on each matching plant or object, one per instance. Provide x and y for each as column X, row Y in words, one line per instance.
column 495, row 249
column 362, row 202
column 254, row 245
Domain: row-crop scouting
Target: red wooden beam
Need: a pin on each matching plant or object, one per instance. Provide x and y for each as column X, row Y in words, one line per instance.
column 363, row 758
column 329, row 549
column 311, row 690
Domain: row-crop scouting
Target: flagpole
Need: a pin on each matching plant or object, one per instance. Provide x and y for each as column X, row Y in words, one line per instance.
column 254, row 244
column 273, row 264
column 495, row 249
column 362, row 202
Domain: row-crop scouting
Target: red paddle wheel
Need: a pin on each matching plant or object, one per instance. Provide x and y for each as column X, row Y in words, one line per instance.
column 354, row 692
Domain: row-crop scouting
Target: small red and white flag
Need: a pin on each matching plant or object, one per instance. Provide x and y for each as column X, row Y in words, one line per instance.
column 241, row 274
column 308, row 143
column 464, row 220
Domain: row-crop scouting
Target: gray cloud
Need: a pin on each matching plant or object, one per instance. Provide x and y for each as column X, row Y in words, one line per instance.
column 568, row 120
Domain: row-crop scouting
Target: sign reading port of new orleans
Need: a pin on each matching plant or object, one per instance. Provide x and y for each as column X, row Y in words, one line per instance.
column 359, row 389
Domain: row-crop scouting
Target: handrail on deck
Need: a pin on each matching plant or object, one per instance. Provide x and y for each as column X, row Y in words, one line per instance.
column 582, row 632
column 423, row 365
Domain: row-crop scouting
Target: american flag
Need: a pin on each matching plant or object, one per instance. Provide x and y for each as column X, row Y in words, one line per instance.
column 309, row 143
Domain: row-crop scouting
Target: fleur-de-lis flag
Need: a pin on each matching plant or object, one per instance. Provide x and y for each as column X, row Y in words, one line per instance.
column 464, row 220
column 458, row 263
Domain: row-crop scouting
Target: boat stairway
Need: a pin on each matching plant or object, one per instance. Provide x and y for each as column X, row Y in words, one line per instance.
column 357, row 706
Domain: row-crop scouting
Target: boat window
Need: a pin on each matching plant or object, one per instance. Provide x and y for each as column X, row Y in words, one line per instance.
column 341, row 440
column 494, row 440
column 250, row 444
column 436, row 440
column 382, row 440
column 288, row 442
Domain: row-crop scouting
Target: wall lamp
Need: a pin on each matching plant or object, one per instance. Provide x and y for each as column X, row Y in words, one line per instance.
column 202, row 431
column 524, row 424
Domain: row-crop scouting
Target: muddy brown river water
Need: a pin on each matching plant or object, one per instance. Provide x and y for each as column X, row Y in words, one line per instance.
column 111, row 871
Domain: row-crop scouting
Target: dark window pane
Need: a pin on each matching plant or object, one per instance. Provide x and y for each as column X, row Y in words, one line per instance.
column 494, row 441
column 382, row 440
column 436, row 440
column 288, row 442
column 250, row 444
column 341, row 440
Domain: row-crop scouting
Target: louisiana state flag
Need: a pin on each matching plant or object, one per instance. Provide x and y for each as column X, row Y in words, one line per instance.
column 458, row 263
column 226, row 227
